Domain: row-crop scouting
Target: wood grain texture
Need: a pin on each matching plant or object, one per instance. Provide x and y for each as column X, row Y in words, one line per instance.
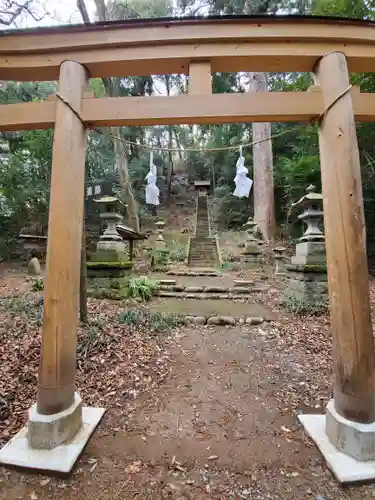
column 207, row 109
column 61, row 294
column 200, row 78
column 353, row 348
column 168, row 59
column 169, row 47
column 155, row 110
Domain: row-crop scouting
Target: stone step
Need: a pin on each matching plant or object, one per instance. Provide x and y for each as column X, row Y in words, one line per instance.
column 203, row 255
column 242, row 283
column 198, row 272
column 171, row 288
column 197, row 247
column 202, row 243
column 201, row 251
column 202, row 246
column 224, row 320
column 167, row 282
column 202, row 258
column 202, row 296
column 201, row 263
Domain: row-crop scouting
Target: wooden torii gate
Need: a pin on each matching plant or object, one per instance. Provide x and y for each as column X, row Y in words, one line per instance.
column 329, row 48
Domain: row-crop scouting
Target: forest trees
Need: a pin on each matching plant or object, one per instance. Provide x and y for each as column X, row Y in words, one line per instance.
column 25, row 157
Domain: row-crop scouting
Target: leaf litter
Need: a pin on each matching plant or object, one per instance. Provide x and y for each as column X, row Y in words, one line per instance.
column 115, row 362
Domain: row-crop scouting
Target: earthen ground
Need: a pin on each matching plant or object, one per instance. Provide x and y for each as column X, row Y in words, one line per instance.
column 222, row 426
column 210, row 307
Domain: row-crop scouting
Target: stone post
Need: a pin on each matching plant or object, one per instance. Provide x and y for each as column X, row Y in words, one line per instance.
column 279, row 260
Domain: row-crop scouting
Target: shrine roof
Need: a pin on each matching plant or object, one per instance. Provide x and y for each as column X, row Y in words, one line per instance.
column 127, row 233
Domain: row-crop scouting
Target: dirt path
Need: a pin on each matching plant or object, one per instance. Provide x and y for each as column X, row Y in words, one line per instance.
column 221, row 427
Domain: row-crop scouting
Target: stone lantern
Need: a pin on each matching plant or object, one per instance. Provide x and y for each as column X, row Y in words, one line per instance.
column 307, row 285
column 252, row 250
column 161, row 252
column 311, row 246
column 160, row 225
column 111, row 246
column 110, row 262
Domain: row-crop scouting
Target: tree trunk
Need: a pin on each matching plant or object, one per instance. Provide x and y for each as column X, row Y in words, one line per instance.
column 83, row 10
column 170, row 143
column 170, row 163
column 121, row 157
column 125, row 182
column 264, row 202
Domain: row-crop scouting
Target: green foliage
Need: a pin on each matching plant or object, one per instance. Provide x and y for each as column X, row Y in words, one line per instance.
column 142, row 288
column 229, row 266
column 360, row 9
column 155, row 321
column 158, row 258
column 229, row 211
column 37, row 284
column 129, row 317
column 25, row 162
column 25, row 307
column 111, row 265
column 177, row 251
column 162, row 322
column 305, row 307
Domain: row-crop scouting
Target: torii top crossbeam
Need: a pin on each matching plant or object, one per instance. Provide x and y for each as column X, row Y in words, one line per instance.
column 168, row 45
column 162, row 46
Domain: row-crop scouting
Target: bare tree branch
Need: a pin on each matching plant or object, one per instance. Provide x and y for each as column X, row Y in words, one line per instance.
column 83, row 10
column 11, row 11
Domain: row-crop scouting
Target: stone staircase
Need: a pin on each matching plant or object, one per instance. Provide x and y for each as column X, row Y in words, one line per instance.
column 203, row 250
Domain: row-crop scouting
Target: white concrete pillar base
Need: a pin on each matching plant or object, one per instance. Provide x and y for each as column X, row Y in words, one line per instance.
column 351, row 437
column 18, row 452
column 48, row 431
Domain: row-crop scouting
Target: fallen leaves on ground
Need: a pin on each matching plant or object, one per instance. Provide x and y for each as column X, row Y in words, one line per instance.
column 115, row 362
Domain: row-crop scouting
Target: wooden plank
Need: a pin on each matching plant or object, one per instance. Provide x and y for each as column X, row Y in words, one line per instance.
column 225, row 30
column 59, row 332
column 205, row 109
column 27, row 116
column 167, row 59
column 200, row 78
column 353, row 345
column 208, row 109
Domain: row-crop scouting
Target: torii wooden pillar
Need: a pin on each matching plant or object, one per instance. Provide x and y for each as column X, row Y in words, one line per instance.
column 353, row 346
column 59, row 334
